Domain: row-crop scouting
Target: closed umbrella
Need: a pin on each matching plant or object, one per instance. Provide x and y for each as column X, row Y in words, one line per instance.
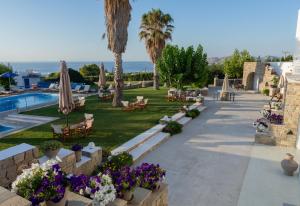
column 66, row 103
column 225, row 87
column 102, row 80
column 8, row 75
column 282, row 86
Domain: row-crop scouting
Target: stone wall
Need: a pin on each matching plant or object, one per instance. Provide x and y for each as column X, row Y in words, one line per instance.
column 251, row 68
column 14, row 160
column 286, row 134
column 142, row 197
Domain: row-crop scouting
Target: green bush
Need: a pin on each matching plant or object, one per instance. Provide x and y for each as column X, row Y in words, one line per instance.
column 116, row 162
column 173, row 128
column 51, row 145
column 266, row 92
column 193, row 113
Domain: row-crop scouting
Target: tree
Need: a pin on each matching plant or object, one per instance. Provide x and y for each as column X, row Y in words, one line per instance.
column 156, row 30
column 215, row 70
column 75, row 76
column 5, row 81
column 117, row 18
column 233, row 65
column 90, row 72
column 179, row 67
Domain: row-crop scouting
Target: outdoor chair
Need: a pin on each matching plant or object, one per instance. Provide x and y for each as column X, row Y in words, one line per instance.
column 88, row 116
column 60, row 132
column 142, row 105
column 84, row 128
column 139, row 99
column 127, row 106
column 80, row 103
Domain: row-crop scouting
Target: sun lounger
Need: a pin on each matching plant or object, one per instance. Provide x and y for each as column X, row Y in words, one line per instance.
column 77, row 88
column 86, row 89
column 14, row 88
column 3, row 91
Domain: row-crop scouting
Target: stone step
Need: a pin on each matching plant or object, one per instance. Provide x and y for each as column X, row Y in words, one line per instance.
column 185, row 120
column 141, row 138
column 149, row 145
column 178, row 116
column 31, row 117
column 16, row 119
column 202, row 108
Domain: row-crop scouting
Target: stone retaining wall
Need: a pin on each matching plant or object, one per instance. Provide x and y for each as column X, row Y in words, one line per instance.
column 142, row 197
column 13, row 160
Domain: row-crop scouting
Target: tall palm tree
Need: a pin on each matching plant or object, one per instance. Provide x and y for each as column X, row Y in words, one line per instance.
column 156, row 29
column 117, row 18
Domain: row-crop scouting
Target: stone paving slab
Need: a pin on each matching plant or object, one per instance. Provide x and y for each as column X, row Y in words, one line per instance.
column 265, row 183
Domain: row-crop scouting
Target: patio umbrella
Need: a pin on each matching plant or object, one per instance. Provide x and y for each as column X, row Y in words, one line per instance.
column 8, row 75
column 102, row 80
column 225, row 87
column 282, row 86
column 66, row 103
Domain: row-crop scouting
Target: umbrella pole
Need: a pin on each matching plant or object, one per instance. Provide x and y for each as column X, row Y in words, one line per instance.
column 9, row 82
column 67, row 120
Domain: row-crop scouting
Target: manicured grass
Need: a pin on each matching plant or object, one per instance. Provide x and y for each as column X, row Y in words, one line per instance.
column 112, row 126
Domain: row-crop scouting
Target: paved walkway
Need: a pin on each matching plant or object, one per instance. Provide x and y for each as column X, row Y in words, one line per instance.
column 207, row 163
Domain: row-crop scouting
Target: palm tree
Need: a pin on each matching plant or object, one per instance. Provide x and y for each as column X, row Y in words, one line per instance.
column 156, row 29
column 117, row 18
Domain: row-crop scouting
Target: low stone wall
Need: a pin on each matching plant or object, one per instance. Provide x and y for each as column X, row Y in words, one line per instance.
column 13, row 160
column 142, row 197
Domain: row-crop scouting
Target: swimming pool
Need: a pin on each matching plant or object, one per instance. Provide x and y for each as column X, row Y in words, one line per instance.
column 24, row 101
column 5, row 128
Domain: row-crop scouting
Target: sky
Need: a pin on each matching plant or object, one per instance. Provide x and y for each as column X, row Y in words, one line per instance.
column 51, row 30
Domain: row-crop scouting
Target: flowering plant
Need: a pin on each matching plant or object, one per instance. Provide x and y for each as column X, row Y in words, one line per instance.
column 41, row 183
column 276, row 118
column 99, row 188
column 124, row 180
column 76, row 147
column 150, row 175
column 116, row 162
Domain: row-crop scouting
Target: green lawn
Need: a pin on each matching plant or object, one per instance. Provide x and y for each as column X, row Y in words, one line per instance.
column 112, row 126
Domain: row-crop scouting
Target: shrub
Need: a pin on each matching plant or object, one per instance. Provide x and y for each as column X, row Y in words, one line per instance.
column 173, row 128
column 266, row 92
column 193, row 113
column 51, row 145
column 116, row 162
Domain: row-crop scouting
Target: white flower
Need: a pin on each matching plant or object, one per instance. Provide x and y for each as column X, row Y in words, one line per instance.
column 81, row 192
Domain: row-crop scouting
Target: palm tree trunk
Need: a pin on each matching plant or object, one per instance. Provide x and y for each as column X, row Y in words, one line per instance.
column 118, row 79
column 155, row 78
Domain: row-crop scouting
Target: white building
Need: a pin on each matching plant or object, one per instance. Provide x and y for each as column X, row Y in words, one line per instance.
column 27, row 79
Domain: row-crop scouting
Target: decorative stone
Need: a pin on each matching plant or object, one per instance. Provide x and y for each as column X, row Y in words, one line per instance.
column 289, row 165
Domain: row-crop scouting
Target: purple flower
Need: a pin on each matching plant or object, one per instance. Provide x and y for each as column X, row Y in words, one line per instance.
column 150, row 175
column 76, row 147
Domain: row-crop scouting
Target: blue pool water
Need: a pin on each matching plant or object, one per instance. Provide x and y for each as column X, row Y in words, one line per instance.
column 28, row 100
column 5, row 128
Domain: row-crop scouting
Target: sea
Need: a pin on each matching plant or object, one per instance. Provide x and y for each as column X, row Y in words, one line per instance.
column 48, row 67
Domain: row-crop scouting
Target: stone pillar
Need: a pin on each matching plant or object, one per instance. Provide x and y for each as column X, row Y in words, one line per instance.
column 215, row 81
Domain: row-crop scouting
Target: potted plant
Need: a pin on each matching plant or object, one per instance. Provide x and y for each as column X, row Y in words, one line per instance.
column 42, row 183
column 193, row 113
column 99, row 188
column 77, row 148
column 125, row 182
column 150, row 176
column 51, row 148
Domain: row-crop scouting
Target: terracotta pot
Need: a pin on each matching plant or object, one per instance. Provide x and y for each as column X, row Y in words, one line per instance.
column 128, row 196
column 62, row 202
column 51, row 153
column 289, row 165
column 78, row 155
